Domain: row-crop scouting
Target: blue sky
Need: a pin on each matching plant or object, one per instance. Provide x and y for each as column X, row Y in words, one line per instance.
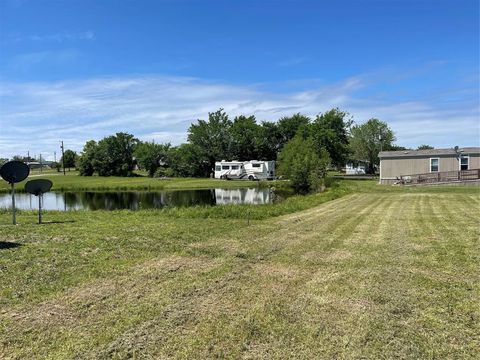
column 80, row 70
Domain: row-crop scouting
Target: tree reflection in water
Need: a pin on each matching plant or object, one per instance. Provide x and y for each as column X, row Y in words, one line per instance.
column 134, row 200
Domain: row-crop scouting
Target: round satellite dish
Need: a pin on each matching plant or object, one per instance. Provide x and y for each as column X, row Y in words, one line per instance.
column 14, row 171
column 38, row 186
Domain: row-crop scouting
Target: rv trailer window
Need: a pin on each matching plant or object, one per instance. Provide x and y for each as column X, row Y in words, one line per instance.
column 218, row 168
column 256, row 165
column 234, row 167
column 434, row 165
column 225, row 167
column 464, row 162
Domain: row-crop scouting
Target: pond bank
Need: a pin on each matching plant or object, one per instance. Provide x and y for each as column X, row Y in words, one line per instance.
column 140, row 183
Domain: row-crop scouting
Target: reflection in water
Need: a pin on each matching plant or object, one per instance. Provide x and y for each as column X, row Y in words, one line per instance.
column 137, row 200
column 242, row 196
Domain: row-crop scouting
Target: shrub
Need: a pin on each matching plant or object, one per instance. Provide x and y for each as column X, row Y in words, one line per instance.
column 300, row 162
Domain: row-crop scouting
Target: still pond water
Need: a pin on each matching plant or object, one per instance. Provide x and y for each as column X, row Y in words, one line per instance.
column 135, row 200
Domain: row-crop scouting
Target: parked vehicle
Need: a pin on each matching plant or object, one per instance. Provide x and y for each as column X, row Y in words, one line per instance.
column 245, row 170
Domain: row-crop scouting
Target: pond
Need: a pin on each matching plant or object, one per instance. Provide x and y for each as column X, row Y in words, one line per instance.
column 136, row 200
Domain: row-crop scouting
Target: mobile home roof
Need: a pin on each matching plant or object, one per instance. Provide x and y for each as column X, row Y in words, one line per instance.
column 429, row 152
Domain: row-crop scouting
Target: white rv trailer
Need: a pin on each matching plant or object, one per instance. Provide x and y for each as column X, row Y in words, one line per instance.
column 246, row 170
column 229, row 170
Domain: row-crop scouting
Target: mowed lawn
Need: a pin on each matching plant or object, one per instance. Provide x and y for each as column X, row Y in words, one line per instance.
column 370, row 275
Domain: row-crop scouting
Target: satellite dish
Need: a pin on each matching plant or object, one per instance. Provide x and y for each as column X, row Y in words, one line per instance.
column 14, row 171
column 38, row 186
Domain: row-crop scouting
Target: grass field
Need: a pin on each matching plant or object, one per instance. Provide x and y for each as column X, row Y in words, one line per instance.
column 363, row 271
column 73, row 182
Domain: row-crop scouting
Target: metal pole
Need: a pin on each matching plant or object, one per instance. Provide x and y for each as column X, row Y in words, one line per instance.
column 40, row 208
column 13, row 205
column 41, row 162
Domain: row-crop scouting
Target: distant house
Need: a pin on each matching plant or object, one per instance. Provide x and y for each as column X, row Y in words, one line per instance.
column 394, row 164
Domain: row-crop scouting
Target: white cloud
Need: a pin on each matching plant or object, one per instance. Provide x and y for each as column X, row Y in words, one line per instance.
column 26, row 61
column 35, row 116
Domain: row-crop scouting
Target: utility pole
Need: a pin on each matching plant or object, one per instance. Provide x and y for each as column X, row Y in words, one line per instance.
column 63, row 158
column 54, row 156
column 41, row 163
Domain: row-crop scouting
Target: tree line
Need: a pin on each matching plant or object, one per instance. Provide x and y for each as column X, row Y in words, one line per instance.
column 304, row 147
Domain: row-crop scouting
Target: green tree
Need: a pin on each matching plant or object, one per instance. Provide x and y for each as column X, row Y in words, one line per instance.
column 70, row 157
column 151, row 156
column 289, row 125
column 212, row 138
column 114, row 155
column 3, row 161
column 425, row 147
column 301, row 162
column 57, row 166
column 330, row 131
column 85, row 162
column 369, row 139
column 186, row 161
column 269, row 141
column 23, row 158
column 245, row 134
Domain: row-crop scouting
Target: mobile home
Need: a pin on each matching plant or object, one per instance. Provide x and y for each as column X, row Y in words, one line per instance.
column 397, row 164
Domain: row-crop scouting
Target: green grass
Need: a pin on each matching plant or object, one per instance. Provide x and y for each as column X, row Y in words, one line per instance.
column 363, row 271
column 73, row 182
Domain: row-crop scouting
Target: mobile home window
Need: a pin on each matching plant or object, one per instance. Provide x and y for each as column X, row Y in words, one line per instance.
column 234, row 167
column 256, row 165
column 434, row 165
column 218, row 168
column 225, row 167
column 464, row 162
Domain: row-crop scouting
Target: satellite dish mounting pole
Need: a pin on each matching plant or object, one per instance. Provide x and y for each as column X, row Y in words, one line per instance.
column 13, row 172
column 13, row 205
column 38, row 187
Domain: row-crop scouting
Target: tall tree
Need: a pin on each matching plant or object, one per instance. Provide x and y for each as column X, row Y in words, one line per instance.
column 369, row 139
column 114, row 155
column 269, row 141
column 330, row 131
column 212, row 138
column 186, row 161
column 151, row 156
column 245, row 134
column 70, row 158
column 86, row 159
column 289, row 125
